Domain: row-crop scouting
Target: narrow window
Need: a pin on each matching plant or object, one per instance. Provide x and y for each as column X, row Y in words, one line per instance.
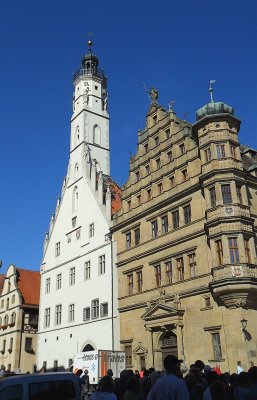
column 101, row 264
column 149, row 194
column 207, row 302
column 233, row 250
column 175, row 219
column 168, row 267
column 172, row 181
column 213, row 196
column 216, row 346
column 207, row 153
column 104, row 310
column 247, row 250
column 47, row 317
column 11, row 344
column 184, row 174
column 169, row 154
column 154, row 229
column 158, row 163
column 158, row 275
column 239, row 194
column 130, row 284
column 86, row 314
column 165, row 226
column 226, row 194
column 128, row 240
column 219, row 251
column 192, row 265
column 137, row 174
column 159, row 188
column 182, row 148
column 129, row 204
column 167, row 133
column 91, row 230
column 220, row 151
column 71, row 312
column 180, row 268
column 72, row 276
column 28, row 345
column 187, row 214
column 75, row 199
column 87, row 270
column 147, row 169
column 139, row 200
column 139, row 276
column 137, row 236
column 95, row 308
column 57, row 249
column 128, row 355
column 58, row 314
column 48, row 285
column 156, row 140
column 146, row 147
column 58, row 281
column 233, row 151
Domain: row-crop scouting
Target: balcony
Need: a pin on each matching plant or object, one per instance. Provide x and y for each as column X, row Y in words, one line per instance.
column 235, row 285
column 88, row 72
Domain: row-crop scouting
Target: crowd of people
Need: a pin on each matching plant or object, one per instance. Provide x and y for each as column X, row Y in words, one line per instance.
column 200, row 382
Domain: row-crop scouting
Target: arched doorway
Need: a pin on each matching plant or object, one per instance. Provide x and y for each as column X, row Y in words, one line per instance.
column 168, row 344
column 88, row 347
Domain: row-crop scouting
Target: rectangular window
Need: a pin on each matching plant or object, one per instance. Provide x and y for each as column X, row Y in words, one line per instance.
column 216, row 346
column 247, row 250
column 104, row 310
column 72, row 276
column 159, row 188
column 73, row 222
column 207, row 302
column 58, row 314
column 139, row 200
column 3, row 346
column 172, row 181
column 48, row 285
column 71, row 312
column 165, row 226
column 184, row 174
column 207, row 153
column 154, row 229
column 213, row 198
column 139, row 276
column 158, row 275
column 137, row 174
column 95, row 308
column 149, row 194
column 156, row 140
column 169, row 154
column 239, row 194
column 91, row 230
column 180, row 268
column 182, row 148
column 192, row 265
column 130, row 283
column 28, row 344
column 86, row 314
column 87, row 270
column 11, row 344
column 158, row 163
column 220, row 151
column 146, row 147
column 187, row 214
column 57, row 249
column 219, row 251
column 233, row 250
column 129, row 204
column 226, row 194
column 175, row 219
column 58, row 281
column 147, row 169
column 47, row 317
column 168, row 267
column 101, row 262
column 128, row 240
column 167, row 133
column 137, row 236
column 128, row 355
column 233, row 151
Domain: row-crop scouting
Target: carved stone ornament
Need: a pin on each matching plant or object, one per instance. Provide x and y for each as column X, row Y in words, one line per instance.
column 229, row 211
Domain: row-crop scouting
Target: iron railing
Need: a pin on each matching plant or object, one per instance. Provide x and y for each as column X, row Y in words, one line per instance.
column 89, row 71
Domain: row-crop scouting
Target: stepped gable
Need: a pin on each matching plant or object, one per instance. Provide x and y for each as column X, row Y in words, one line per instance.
column 115, row 191
column 2, row 276
column 28, row 283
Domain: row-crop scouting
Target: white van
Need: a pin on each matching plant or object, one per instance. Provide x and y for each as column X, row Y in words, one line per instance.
column 48, row 386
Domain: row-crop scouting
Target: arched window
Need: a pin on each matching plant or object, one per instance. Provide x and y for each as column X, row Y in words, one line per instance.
column 76, row 171
column 88, row 347
column 13, row 317
column 97, row 135
column 75, row 199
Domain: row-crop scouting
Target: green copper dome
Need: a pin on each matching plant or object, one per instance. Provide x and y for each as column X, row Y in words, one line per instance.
column 217, row 107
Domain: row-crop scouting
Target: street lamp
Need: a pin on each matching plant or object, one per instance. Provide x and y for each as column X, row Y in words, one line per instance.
column 244, row 324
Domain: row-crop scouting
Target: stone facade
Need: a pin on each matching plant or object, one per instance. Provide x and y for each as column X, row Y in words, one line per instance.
column 186, row 240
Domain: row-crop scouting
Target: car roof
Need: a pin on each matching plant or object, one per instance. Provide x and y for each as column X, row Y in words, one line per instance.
column 35, row 377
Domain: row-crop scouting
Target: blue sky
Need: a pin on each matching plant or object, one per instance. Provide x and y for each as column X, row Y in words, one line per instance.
column 174, row 45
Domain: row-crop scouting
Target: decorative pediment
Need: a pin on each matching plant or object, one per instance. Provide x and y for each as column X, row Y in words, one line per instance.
column 140, row 349
column 160, row 311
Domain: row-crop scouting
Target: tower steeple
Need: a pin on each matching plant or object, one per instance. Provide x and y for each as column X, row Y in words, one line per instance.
column 90, row 118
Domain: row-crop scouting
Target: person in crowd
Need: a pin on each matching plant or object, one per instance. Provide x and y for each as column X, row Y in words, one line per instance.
column 252, row 391
column 78, row 373
column 109, row 372
column 105, row 389
column 141, row 373
column 137, row 373
column 191, row 382
column 199, row 364
column 251, row 364
column 171, row 386
column 211, row 377
column 85, row 385
column 243, row 383
column 232, row 385
column 217, row 369
column 218, row 390
column 120, row 384
column 133, row 389
column 239, row 368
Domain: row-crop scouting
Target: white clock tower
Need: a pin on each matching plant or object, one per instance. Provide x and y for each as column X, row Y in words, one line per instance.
column 78, row 296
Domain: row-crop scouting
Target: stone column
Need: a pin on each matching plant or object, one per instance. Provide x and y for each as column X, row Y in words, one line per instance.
column 150, row 354
column 180, row 344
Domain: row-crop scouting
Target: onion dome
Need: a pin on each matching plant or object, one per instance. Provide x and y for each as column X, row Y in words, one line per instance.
column 217, row 107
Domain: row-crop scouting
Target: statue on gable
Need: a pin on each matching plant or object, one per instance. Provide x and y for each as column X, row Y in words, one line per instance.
column 153, row 93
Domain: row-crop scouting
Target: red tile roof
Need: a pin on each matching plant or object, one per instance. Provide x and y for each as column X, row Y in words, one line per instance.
column 29, row 285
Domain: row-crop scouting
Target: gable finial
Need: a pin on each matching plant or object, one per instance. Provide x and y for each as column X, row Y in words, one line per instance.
column 211, row 89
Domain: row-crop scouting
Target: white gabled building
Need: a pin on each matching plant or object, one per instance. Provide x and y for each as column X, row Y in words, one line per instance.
column 78, row 297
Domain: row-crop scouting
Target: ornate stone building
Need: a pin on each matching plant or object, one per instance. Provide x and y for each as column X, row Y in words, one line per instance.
column 186, row 239
column 19, row 303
